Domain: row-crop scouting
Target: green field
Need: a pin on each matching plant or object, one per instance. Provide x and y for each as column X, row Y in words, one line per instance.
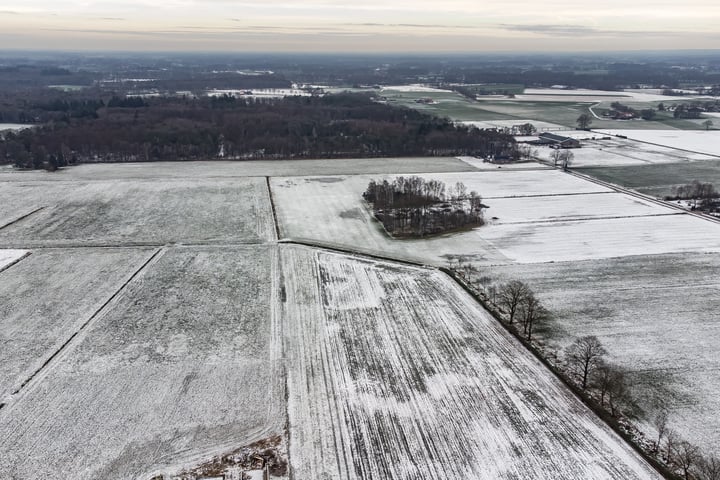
column 659, row 179
column 456, row 107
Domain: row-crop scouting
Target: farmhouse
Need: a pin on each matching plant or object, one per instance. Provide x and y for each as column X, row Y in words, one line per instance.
column 557, row 141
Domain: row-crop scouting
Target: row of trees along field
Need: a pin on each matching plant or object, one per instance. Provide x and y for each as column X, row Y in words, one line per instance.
column 606, row 386
column 415, row 207
column 332, row 126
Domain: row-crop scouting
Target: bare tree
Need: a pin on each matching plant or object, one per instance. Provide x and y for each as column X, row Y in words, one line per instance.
column 584, row 356
column 563, row 157
column 531, row 313
column 584, row 121
column 602, row 379
column 708, row 468
column 511, row 296
column 660, row 421
column 686, row 455
column 618, row 392
column 670, row 442
column 707, row 124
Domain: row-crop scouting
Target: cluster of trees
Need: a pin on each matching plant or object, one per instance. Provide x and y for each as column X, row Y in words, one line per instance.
column 522, row 306
column 584, row 121
column 333, row 126
column 702, row 194
column 415, row 207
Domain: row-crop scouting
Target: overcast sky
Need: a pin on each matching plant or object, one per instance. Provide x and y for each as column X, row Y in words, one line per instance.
column 365, row 26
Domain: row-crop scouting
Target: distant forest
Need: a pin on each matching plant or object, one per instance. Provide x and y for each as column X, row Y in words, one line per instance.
column 332, row 126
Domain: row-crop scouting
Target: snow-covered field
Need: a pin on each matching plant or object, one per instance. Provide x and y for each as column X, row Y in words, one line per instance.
column 699, row 141
column 396, row 373
column 480, row 164
column 602, row 238
column 49, row 296
column 150, row 368
column 8, row 256
column 542, row 216
column 184, row 364
column 616, row 152
column 149, row 212
column 14, row 126
column 656, row 315
column 239, row 168
column 416, row 88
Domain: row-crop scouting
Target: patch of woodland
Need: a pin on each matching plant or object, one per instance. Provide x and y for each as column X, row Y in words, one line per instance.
column 227, row 127
column 416, row 207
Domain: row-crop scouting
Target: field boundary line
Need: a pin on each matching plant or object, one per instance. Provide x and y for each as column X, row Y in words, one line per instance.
column 15, row 262
column 354, row 253
column 84, row 326
column 22, row 217
column 272, row 208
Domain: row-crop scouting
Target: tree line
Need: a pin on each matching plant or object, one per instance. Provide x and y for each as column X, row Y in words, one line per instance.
column 332, row 126
column 606, row 386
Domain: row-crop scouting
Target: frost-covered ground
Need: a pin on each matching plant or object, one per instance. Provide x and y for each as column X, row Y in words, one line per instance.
column 148, row 212
column 14, row 126
column 8, row 256
column 542, row 216
column 416, row 88
column 239, row 168
column 656, row 315
column 184, row 364
column 480, row 164
column 699, row 141
column 49, row 296
column 600, row 151
column 396, row 373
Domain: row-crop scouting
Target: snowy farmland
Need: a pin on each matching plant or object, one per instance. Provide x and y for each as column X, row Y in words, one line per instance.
column 152, row 321
column 398, row 374
column 244, row 168
column 656, row 315
column 697, row 141
column 147, row 212
column 7, row 257
column 614, row 152
column 184, row 364
column 534, row 216
column 74, row 285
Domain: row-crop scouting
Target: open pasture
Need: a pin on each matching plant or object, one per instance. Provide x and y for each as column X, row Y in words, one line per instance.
column 656, row 316
column 22, row 198
column 540, row 216
column 705, row 142
column 47, row 297
column 149, row 212
column 658, row 180
column 612, row 152
column 398, row 374
column 183, row 365
column 236, row 168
